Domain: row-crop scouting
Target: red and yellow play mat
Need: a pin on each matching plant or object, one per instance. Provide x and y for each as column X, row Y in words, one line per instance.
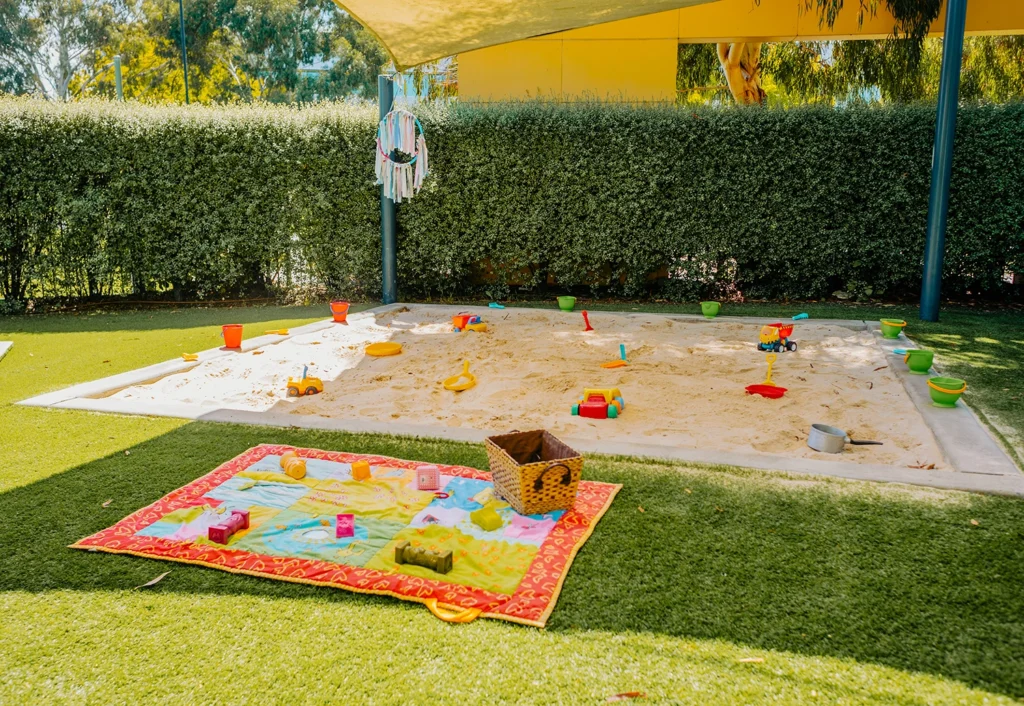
column 513, row 573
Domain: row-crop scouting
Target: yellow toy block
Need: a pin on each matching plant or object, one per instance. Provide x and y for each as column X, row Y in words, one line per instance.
column 361, row 470
column 486, row 518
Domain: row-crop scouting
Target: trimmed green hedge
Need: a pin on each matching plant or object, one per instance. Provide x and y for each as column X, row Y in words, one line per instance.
column 102, row 198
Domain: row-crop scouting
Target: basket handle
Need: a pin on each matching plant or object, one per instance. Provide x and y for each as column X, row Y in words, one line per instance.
column 566, row 477
column 466, row 616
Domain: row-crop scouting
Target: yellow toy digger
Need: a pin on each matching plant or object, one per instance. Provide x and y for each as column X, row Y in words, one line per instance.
column 297, row 387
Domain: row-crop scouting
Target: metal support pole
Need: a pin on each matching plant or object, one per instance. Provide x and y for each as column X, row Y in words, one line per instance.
column 942, row 158
column 118, row 88
column 388, row 222
column 184, row 52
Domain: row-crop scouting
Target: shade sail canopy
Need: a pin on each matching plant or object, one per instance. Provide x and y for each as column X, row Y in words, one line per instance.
column 418, row 31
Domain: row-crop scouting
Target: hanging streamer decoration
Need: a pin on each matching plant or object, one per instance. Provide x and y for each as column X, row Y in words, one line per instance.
column 400, row 130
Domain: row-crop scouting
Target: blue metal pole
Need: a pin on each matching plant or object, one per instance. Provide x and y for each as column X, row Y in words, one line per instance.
column 942, row 158
column 388, row 222
column 184, row 51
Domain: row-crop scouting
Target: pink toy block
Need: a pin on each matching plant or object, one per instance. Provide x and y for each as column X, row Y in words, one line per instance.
column 221, row 533
column 346, row 526
column 428, row 478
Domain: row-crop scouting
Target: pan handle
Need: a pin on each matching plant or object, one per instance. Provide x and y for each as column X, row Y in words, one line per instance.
column 864, row 443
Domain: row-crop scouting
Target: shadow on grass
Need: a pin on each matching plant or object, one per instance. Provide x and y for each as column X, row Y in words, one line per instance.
column 159, row 319
column 902, row 579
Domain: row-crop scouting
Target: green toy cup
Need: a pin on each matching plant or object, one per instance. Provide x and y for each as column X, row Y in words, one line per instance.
column 891, row 328
column 946, row 391
column 710, row 309
column 567, row 303
column 919, row 361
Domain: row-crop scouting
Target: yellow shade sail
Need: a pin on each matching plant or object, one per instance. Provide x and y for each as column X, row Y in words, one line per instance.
column 417, row 31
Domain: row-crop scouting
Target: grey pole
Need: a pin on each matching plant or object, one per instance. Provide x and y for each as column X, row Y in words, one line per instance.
column 118, row 89
column 942, row 158
column 184, row 53
column 388, row 222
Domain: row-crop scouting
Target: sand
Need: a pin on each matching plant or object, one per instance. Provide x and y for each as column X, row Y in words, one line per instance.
column 684, row 385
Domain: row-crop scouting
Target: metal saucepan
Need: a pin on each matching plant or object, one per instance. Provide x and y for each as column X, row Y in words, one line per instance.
column 832, row 440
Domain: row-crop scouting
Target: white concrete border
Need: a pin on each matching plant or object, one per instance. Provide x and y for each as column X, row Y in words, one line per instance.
column 966, row 443
column 980, row 462
column 4, row 347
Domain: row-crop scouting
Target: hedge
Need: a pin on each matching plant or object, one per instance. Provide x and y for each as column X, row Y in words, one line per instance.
column 203, row 202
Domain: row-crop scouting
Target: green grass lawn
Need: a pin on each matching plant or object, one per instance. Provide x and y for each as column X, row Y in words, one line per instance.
column 848, row 592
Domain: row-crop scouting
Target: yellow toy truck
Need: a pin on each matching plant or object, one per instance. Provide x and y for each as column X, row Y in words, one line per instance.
column 297, row 387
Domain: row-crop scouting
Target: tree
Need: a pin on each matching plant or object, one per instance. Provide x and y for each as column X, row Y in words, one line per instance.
column 46, row 44
column 861, row 70
column 741, row 62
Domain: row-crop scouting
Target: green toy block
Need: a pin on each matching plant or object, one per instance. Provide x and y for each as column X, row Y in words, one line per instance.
column 441, row 562
column 486, row 518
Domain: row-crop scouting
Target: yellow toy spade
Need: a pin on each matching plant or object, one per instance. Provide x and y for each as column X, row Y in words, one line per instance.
column 453, row 383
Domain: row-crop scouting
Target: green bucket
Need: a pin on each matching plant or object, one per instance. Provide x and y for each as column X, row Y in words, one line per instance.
column 946, row 391
column 919, row 361
column 710, row 309
column 566, row 303
column 891, row 328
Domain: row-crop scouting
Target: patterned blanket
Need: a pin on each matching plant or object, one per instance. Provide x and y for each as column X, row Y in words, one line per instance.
column 514, row 572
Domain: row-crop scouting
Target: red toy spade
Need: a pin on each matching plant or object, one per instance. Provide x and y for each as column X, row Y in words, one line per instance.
column 586, row 320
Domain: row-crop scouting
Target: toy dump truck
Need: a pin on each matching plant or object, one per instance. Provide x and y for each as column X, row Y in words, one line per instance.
column 774, row 338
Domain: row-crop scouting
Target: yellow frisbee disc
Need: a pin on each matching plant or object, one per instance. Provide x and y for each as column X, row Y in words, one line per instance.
column 383, row 349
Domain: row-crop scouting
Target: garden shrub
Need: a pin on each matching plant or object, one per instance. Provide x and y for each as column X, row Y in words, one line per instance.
column 204, row 202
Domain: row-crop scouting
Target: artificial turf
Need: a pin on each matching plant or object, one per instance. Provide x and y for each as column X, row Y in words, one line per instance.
column 845, row 592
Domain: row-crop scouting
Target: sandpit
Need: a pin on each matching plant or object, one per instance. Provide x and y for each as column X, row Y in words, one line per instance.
column 684, row 386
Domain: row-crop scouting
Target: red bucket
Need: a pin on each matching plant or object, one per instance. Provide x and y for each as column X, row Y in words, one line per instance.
column 232, row 334
column 339, row 310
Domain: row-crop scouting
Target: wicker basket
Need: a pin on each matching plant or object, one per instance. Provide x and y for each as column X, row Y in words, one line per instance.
column 533, row 471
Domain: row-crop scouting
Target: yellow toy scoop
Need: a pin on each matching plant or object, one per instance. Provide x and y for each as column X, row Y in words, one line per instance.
column 467, row 378
column 383, row 349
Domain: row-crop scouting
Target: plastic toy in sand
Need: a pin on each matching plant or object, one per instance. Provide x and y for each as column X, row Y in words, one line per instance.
column 306, row 385
column 221, row 533
column 339, row 312
column 945, row 392
column 586, row 320
column 598, row 403
column 277, row 332
column 380, row 350
column 439, row 562
column 468, row 322
column 621, row 363
column 496, row 305
column 232, row 335
column 190, row 357
column 462, row 381
column 775, row 338
column 892, row 328
column 293, row 466
column 767, row 388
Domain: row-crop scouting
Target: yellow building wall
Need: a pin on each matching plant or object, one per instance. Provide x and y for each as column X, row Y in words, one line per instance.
column 635, row 59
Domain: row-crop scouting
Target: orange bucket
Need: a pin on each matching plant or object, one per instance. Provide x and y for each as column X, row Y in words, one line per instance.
column 232, row 334
column 339, row 310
